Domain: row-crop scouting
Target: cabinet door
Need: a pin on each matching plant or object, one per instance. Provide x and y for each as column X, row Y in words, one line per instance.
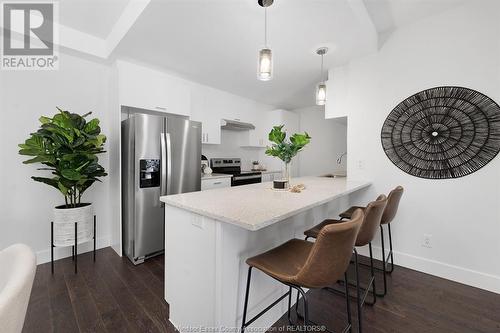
column 141, row 87
column 206, row 110
column 145, row 88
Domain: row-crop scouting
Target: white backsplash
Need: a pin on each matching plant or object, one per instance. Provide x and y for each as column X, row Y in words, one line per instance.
column 230, row 146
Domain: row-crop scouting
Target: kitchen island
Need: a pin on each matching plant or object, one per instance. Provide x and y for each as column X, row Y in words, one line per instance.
column 210, row 234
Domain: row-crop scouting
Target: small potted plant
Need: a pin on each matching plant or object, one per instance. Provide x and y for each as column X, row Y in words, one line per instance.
column 286, row 150
column 67, row 145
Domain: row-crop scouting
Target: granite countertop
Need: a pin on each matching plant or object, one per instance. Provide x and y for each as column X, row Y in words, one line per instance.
column 256, row 206
column 214, row 176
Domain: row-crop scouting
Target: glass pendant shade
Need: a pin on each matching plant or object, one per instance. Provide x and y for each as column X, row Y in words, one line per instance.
column 321, row 93
column 265, row 66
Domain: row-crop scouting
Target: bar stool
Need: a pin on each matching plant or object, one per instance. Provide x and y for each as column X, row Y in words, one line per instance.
column 390, row 211
column 301, row 264
column 371, row 221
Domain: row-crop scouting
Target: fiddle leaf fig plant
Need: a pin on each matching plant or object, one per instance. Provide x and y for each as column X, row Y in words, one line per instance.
column 67, row 145
column 282, row 149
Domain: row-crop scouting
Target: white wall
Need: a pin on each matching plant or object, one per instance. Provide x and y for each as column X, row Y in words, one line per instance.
column 328, row 142
column 78, row 86
column 459, row 47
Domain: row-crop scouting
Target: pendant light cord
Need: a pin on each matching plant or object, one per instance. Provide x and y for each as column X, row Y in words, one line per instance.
column 321, row 73
column 265, row 27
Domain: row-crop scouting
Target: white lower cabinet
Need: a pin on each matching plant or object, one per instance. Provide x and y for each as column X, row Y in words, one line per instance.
column 211, row 183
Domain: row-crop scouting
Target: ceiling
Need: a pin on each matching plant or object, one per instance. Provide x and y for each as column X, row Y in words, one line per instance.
column 215, row 42
column 388, row 15
column 94, row 17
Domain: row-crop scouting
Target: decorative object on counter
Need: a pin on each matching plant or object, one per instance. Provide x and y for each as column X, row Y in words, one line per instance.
column 284, row 150
column 443, row 132
column 297, row 188
column 204, row 163
column 265, row 63
column 255, row 166
column 280, row 184
column 207, row 170
column 67, row 145
column 321, row 87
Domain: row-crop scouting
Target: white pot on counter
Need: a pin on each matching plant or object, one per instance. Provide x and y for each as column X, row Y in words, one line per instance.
column 64, row 224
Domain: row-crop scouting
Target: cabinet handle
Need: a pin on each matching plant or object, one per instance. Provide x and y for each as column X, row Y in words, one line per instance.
column 161, row 108
column 217, row 183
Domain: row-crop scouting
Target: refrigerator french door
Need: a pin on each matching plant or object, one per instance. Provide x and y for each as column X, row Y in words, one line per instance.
column 160, row 156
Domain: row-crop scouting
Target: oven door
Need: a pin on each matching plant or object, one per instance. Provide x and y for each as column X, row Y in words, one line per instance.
column 246, row 179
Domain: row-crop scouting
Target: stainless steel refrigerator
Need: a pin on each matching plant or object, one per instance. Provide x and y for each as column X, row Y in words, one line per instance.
column 160, row 156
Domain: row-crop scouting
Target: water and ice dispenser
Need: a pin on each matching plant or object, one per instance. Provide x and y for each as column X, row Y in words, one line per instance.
column 149, row 173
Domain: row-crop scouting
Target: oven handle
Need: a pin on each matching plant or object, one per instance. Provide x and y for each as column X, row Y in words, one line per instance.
column 235, row 178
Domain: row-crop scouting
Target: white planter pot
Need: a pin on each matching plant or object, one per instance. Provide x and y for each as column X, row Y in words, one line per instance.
column 64, row 224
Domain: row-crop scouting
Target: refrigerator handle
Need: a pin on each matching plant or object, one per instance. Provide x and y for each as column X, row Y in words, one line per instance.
column 169, row 164
column 163, row 166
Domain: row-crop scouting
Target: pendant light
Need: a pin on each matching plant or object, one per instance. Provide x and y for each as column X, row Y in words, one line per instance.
column 265, row 64
column 321, row 87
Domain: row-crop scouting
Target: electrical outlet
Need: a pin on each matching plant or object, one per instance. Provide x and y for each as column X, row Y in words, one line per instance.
column 427, row 241
column 361, row 164
column 197, row 221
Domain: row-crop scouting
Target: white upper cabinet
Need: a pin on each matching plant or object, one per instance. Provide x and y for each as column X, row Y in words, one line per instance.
column 337, row 93
column 207, row 108
column 146, row 88
column 259, row 137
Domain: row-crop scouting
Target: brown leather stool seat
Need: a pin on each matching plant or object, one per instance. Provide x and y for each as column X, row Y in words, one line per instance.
column 314, row 231
column 348, row 213
column 302, row 264
column 283, row 262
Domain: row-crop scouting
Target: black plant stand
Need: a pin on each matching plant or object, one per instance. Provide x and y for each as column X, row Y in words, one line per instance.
column 74, row 248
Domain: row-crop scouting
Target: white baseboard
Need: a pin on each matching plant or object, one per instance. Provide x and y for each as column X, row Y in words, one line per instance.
column 43, row 256
column 466, row 276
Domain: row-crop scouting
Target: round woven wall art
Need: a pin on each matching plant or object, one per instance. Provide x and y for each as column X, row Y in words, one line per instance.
column 443, row 132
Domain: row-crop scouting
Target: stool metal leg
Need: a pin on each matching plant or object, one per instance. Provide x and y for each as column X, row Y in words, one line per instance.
column 383, row 262
column 246, row 300
column 52, row 246
column 72, row 252
column 76, row 246
column 372, row 279
column 306, row 311
column 94, row 236
column 390, row 249
column 348, row 302
column 358, row 293
column 297, row 306
column 289, row 305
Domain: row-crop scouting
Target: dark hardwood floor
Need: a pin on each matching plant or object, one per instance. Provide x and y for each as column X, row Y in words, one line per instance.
column 112, row 295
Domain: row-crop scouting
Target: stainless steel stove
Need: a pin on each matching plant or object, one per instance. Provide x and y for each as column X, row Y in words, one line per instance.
column 232, row 166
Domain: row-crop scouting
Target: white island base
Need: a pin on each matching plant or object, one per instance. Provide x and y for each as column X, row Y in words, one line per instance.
column 210, row 234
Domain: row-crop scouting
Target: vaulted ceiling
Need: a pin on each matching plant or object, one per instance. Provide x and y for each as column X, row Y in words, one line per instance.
column 215, row 42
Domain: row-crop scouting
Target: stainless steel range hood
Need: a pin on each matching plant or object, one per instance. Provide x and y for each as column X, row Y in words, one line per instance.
column 235, row 125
